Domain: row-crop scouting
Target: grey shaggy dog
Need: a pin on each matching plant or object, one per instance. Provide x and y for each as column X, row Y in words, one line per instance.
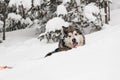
column 72, row 38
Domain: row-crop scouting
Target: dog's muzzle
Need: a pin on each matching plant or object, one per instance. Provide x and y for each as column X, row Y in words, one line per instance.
column 75, row 43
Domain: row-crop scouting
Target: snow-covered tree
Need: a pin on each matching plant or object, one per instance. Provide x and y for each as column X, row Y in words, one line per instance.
column 4, row 12
column 87, row 14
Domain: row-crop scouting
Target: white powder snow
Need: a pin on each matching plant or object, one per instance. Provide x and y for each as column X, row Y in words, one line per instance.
column 65, row 1
column 115, row 20
column 97, row 60
column 115, row 4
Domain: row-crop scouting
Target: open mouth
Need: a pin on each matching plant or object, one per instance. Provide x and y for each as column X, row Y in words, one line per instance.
column 75, row 44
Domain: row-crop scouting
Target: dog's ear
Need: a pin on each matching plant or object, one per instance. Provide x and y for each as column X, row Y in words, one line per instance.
column 79, row 31
column 63, row 27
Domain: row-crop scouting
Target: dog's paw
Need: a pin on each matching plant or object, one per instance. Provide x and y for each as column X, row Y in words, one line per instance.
column 49, row 54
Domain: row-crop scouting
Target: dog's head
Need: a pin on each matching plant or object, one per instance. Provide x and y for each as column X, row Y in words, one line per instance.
column 73, row 37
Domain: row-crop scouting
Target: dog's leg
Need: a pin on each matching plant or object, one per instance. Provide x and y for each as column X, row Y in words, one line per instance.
column 58, row 50
column 49, row 54
column 83, row 39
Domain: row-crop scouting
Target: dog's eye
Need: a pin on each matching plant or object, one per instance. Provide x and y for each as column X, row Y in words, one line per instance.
column 69, row 36
column 76, row 34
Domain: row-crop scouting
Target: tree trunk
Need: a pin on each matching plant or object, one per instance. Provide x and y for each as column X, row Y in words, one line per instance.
column 109, row 11
column 32, row 5
column 23, row 11
column 106, row 11
column 4, row 14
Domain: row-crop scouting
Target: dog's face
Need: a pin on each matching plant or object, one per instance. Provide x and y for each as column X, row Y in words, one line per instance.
column 73, row 37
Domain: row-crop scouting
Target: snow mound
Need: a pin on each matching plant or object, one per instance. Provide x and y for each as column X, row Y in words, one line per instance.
column 61, row 10
column 97, row 60
column 55, row 24
column 66, row 1
column 91, row 9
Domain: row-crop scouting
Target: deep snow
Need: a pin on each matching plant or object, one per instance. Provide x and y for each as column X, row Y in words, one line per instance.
column 99, row 59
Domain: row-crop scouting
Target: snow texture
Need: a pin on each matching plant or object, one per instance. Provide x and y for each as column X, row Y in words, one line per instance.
column 65, row 1
column 115, row 4
column 56, row 24
column 97, row 60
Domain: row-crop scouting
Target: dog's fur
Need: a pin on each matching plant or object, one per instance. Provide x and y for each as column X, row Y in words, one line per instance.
column 73, row 37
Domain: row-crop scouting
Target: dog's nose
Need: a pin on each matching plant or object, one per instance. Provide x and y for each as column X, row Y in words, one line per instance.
column 74, row 40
